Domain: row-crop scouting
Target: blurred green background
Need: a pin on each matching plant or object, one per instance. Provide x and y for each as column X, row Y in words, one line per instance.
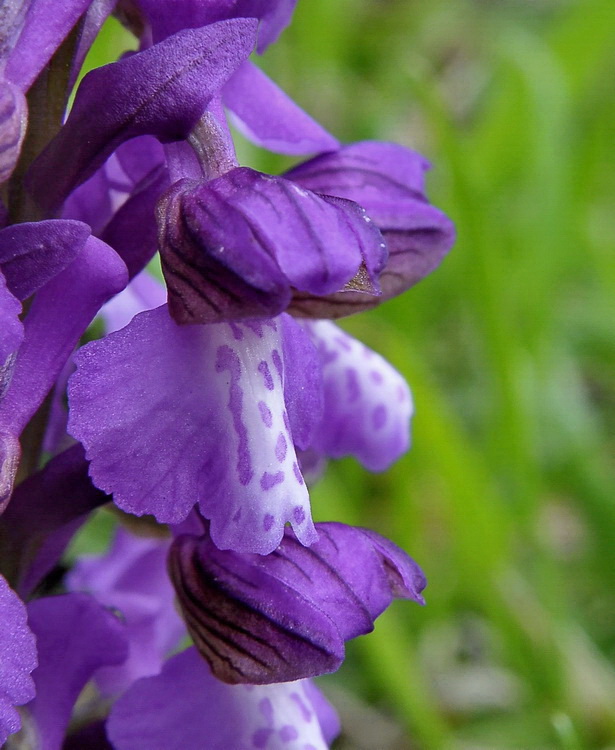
column 506, row 498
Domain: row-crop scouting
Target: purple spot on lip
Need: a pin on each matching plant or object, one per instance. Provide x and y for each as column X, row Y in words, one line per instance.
column 280, row 448
column 288, row 733
column 268, row 521
column 286, row 421
column 401, row 393
column 265, row 413
column 237, row 332
column 298, row 474
column 352, row 384
column 265, row 706
column 327, row 355
column 277, row 362
column 263, row 368
column 305, row 711
column 342, row 343
column 270, row 480
column 376, row 377
column 379, row 416
column 255, row 326
column 299, row 515
column 260, row 738
column 227, row 359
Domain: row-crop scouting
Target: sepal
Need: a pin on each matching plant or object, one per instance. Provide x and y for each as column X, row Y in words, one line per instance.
column 285, row 616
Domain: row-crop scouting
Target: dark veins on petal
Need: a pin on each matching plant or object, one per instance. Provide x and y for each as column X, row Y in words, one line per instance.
column 284, row 616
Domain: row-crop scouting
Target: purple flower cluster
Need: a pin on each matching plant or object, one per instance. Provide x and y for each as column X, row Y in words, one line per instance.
column 204, row 405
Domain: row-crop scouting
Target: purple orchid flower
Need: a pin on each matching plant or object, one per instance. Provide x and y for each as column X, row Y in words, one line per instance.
column 234, row 456
column 205, row 404
column 131, row 578
column 256, row 620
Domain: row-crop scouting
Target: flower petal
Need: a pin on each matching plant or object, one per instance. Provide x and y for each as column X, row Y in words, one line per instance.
column 143, row 293
column 261, row 620
column 34, row 252
column 132, row 578
column 274, row 19
column 75, row 637
column 92, row 22
column 269, row 117
column 364, row 172
column 60, row 313
column 132, row 230
column 174, row 415
column 37, row 526
column 17, row 660
column 234, row 246
column 303, row 386
column 166, row 19
column 388, row 181
column 185, row 702
column 161, row 91
column 11, row 332
column 367, row 403
column 46, row 25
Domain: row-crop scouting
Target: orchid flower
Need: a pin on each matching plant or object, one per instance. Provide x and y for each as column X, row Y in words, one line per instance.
column 206, row 404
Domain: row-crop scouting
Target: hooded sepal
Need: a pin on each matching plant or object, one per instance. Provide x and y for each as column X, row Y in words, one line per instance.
column 260, row 620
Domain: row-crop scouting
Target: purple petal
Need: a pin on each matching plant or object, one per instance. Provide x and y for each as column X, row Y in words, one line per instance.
column 269, row 117
column 388, row 181
column 17, row 660
column 327, row 715
column 139, row 157
column 303, row 386
column 295, row 239
column 161, row 91
column 45, row 27
column 365, row 171
column 130, row 168
column 40, row 520
column 12, row 16
column 209, row 274
column 34, row 252
column 260, row 620
column 75, row 637
column 275, row 19
column 91, row 202
column 92, row 22
column 132, row 231
column 11, row 331
column 367, row 403
column 169, row 711
column 60, row 313
column 143, row 293
column 13, row 124
column 174, row 415
column 166, row 19
column 132, row 578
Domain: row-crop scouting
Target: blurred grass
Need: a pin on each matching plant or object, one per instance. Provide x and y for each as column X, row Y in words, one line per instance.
column 506, row 498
